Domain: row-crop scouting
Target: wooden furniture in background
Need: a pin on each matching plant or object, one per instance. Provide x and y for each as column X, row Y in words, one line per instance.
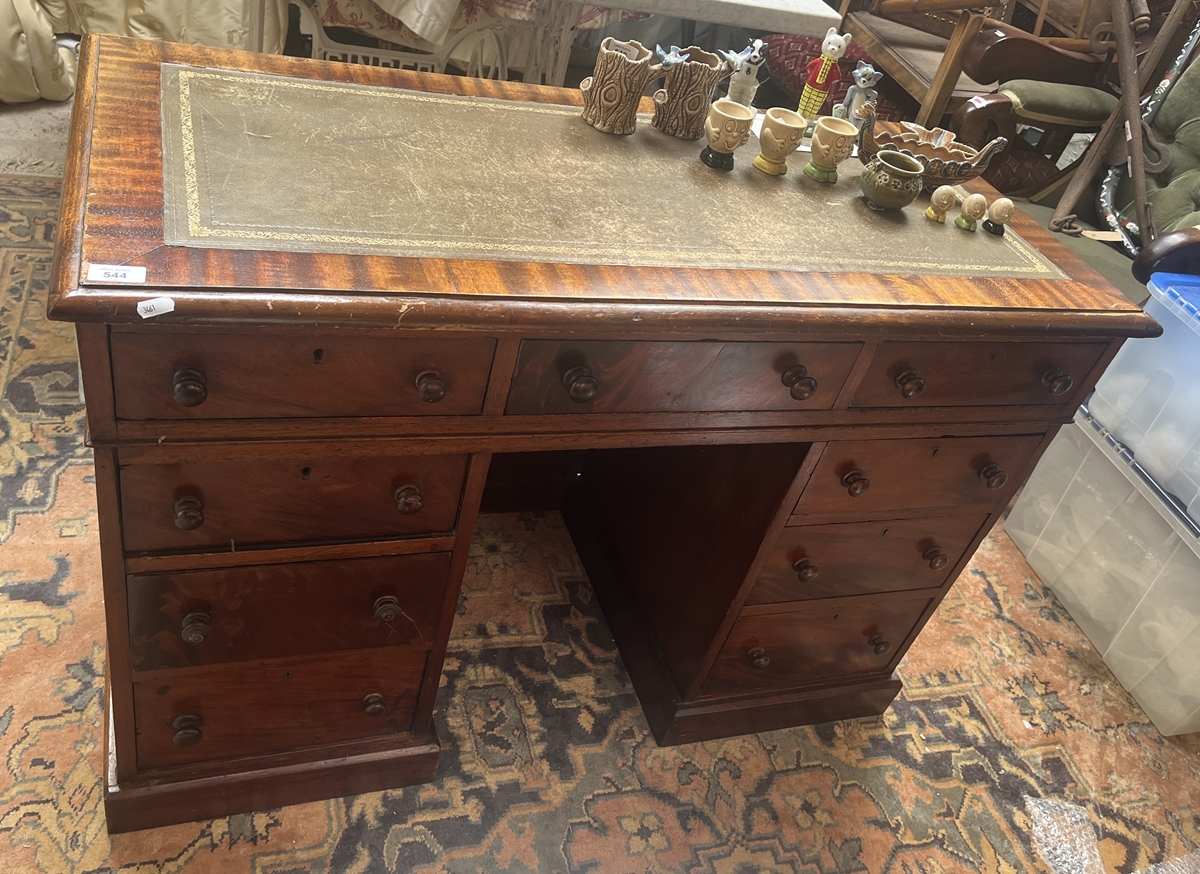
column 775, row 474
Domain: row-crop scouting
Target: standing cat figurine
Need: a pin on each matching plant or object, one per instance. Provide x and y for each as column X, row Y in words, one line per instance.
column 861, row 93
column 747, row 66
column 823, row 74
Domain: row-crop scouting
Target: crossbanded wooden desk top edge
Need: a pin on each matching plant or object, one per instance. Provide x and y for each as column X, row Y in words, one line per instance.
column 117, row 153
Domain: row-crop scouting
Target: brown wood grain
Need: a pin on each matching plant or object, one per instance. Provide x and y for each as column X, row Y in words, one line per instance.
column 640, row 377
column 915, row 474
column 257, row 707
column 305, row 608
column 859, row 558
column 276, row 501
column 123, row 225
column 821, row 641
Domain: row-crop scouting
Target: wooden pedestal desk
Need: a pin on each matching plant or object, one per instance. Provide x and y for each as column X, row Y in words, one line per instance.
column 773, row 468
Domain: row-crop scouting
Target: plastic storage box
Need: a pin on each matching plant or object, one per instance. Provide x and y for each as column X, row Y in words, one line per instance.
column 1149, row 398
column 1123, row 561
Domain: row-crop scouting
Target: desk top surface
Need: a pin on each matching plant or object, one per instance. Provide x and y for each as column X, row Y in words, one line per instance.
column 293, row 186
column 807, row 17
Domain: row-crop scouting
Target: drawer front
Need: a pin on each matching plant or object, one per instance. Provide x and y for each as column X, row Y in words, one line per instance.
column 192, row 376
column 210, row 504
column 222, row 711
column 823, row 641
column 869, row 476
column 190, row 618
column 562, row 376
column 858, row 558
column 926, row 374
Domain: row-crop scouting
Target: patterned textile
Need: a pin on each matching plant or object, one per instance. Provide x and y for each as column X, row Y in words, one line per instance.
column 368, row 17
column 547, row 764
column 788, row 56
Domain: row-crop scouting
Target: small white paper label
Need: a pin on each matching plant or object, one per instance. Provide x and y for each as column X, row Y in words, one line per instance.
column 148, row 309
column 113, row 273
column 1128, row 133
column 977, row 100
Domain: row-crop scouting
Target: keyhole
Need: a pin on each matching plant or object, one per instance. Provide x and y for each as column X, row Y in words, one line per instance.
column 318, row 356
column 883, row 533
column 936, row 450
column 305, row 472
column 287, row 675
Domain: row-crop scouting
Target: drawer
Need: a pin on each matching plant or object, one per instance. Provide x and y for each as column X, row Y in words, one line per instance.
column 189, row 618
column 564, row 376
column 858, row 558
column 207, row 376
column 209, row 504
column 868, row 476
column 252, row 708
column 823, row 641
column 926, row 374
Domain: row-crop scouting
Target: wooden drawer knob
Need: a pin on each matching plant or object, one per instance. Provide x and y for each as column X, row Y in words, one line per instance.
column 993, row 476
column 189, row 512
column 189, row 386
column 758, row 657
column 881, row 646
column 580, row 383
column 373, row 705
column 802, row 385
column 387, row 608
column 186, row 728
column 856, row 483
column 936, row 558
column 431, row 388
column 805, row 570
column 910, row 384
column 408, row 500
column 1058, row 382
column 196, row 626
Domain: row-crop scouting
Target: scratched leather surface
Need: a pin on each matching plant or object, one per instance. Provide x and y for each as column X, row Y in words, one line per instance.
column 264, row 162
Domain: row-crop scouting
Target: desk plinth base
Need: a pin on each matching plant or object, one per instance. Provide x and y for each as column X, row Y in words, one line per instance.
column 166, row 799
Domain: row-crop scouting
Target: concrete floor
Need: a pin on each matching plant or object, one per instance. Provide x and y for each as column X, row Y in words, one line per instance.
column 33, row 139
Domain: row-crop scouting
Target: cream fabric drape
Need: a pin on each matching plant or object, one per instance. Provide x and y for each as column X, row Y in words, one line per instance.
column 33, row 65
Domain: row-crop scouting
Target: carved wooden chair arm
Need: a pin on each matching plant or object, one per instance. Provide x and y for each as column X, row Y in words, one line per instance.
column 1176, row 252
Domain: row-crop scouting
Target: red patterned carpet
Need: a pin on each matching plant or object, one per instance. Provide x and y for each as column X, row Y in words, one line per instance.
column 548, row 765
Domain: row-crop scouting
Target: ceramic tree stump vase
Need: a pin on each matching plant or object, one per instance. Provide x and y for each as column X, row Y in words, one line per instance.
column 612, row 93
column 891, row 180
column 681, row 105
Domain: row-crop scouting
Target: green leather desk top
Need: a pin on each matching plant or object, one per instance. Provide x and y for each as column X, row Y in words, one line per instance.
column 263, row 162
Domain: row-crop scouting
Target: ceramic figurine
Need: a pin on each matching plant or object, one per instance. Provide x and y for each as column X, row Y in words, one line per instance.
column 941, row 202
column 612, row 93
column 832, row 143
column 781, row 133
column 891, row 180
column 727, row 128
column 860, row 94
column 823, row 73
column 671, row 58
column 681, row 105
column 973, row 209
column 999, row 214
column 747, row 67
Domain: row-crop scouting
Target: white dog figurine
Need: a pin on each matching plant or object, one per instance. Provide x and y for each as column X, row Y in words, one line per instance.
column 746, row 67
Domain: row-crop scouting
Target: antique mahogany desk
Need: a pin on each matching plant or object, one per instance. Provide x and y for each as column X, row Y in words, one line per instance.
column 778, row 424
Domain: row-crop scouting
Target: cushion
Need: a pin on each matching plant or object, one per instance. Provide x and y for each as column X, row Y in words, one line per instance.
column 1072, row 105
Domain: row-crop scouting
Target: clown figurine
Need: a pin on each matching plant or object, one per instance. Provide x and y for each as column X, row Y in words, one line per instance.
column 823, row 74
